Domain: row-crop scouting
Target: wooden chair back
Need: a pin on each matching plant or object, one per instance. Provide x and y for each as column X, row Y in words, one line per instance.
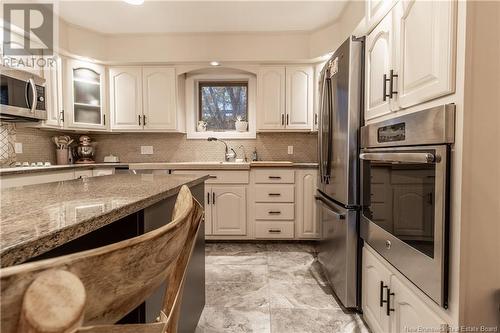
column 80, row 291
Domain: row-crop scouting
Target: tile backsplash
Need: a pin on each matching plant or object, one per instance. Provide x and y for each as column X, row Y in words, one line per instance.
column 37, row 146
column 167, row 147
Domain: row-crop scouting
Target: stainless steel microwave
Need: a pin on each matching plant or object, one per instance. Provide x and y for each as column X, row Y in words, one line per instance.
column 22, row 96
column 405, row 163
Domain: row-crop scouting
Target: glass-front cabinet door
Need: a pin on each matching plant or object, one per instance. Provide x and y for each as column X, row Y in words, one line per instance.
column 85, row 103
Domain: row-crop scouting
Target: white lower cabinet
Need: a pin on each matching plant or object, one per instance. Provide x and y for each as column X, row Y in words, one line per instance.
column 389, row 306
column 306, row 217
column 225, row 210
column 375, row 281
column 409, row 313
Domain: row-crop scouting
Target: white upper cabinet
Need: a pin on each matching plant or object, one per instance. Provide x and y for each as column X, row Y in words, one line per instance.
column 378, row 60
column 125, row 98
column 53, row 95
column 85, row 101
column 316, row 86
column 410, row 55
column 285, row 98
column 159, row 96
column 299, row 97
column 375, row 10
column 271, row 97
column 143, row 98
column 426, row 55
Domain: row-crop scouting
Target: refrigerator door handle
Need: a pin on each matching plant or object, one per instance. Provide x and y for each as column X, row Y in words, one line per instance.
column 329, row 142
column 320, row 126
column 340, row 216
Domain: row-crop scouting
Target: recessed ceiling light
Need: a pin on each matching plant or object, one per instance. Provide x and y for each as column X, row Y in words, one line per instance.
column 214, row 63
column 134, row 2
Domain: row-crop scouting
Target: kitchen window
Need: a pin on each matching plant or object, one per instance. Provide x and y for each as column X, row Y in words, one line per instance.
column 223, row 105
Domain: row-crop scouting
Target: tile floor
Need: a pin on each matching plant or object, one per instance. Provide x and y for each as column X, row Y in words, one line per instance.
column 275, row 287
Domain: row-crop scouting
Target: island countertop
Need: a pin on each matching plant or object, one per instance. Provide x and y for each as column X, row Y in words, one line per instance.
column 38, row 218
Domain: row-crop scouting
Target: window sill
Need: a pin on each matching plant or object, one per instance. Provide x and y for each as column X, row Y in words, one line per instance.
column 221, row 135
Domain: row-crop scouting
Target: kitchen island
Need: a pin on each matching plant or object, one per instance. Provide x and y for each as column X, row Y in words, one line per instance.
column 52, row 219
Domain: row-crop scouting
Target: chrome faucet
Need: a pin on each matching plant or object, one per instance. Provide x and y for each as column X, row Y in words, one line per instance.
column 230, row 154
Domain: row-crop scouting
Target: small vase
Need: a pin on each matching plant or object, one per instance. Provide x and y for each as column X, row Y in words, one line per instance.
column 62, row 156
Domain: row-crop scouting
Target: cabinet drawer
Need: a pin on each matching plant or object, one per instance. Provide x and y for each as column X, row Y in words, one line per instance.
column 273, row 229
column 274, row 211
column 103, row 172
column 274, row 193
column 218, row 176
column 83, row 174
column 274, row 176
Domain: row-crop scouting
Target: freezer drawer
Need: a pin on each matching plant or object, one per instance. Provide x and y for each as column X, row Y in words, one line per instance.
column 338, row 249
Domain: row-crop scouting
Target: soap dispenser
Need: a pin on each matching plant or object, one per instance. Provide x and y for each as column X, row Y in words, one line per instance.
column 254, row 155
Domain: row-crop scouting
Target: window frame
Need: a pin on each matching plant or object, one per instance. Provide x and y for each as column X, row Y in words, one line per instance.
column 192, row 104
column 219, row 83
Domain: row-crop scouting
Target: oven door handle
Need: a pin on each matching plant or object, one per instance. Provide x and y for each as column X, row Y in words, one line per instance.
column 426, row 158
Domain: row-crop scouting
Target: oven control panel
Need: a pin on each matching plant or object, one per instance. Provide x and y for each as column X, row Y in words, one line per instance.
column 391, row 133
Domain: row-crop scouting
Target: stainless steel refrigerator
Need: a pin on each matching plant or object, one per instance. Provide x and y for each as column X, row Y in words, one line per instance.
column 338, row 191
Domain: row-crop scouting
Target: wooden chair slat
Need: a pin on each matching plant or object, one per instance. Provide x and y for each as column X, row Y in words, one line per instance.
column 117, row 277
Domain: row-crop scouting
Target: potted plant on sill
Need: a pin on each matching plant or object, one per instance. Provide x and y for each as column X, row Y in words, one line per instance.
column 240, row 124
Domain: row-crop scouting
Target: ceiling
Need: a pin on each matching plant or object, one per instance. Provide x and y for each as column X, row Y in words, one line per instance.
column 200, row 16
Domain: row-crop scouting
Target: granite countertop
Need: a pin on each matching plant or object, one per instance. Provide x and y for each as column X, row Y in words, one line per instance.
column 220, row 165
column 164, row 165
column 37, row 218
column 20, row 170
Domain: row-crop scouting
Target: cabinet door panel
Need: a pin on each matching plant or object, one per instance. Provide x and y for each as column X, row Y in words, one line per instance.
column 208, row 210
column 125, row 91
column 410, row 313
column 85, row 104
column 53, row 95
column 299, row 99
column 229, row 210
column 375, row 10
column 271, row 96
column 373, row 273
column 160, row 108
column 426, row 40
column 307, row 221
column 378, row 62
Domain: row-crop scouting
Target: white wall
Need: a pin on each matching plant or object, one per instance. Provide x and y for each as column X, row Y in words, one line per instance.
column 328, row 38
column 480, row 237
column 261, row 47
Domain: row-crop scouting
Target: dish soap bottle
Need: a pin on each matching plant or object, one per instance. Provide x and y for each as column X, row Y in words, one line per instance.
column 254, row 155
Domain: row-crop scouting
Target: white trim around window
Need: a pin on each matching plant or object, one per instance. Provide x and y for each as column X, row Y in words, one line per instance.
column 192, row 105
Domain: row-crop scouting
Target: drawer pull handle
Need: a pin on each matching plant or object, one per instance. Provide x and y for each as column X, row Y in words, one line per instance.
column 274, row 194
column 275, row 231
column 274, row 212
column 274, row 177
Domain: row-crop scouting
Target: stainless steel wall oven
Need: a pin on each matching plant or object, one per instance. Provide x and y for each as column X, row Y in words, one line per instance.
column 405, row 168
